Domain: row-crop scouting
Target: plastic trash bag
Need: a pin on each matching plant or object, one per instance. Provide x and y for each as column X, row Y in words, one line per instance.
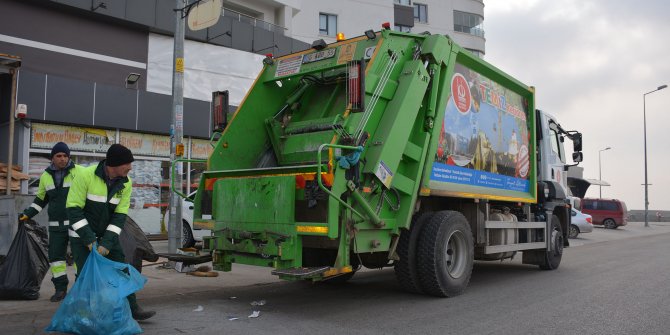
column 27, row 262
column 135, row 245
column 97, row 302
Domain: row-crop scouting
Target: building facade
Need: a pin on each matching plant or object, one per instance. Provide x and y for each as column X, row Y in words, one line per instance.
column 98, row 72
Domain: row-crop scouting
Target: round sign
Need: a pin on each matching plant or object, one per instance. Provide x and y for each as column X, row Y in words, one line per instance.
column 460, row 92
column 523, row 161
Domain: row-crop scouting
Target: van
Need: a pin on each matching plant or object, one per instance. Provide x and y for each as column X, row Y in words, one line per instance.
column 610, row 213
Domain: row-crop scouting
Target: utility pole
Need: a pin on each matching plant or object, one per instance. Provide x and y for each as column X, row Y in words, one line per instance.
column 177, row 128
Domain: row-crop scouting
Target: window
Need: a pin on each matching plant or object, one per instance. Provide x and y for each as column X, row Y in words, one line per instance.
column 469, row 23
column 327, row 24
column 402, row 2
column 556, row 143
column 420, row 13
column 403, row 29
column 590, row 205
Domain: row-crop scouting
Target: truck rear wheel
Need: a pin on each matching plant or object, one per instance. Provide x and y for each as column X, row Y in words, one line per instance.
column 406, row 267
column 552, row 259
column 445, row 254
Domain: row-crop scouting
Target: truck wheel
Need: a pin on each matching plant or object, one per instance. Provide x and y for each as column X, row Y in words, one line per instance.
column 574, row 231
column 609, row 224
column 445, row 254
column 552, row 259
column 187, row 240
column 406, row 268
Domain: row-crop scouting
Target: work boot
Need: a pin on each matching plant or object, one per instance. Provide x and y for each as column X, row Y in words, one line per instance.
column 58, row 296
column 139, row 314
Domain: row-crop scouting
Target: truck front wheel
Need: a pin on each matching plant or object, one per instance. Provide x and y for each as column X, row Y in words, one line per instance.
column 445, row 254
column 552, row 259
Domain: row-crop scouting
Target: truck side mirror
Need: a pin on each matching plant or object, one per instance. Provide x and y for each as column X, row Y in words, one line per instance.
column 577, row 157
column 577, row 142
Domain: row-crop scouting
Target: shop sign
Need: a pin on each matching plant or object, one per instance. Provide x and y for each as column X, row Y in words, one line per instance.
column 44, row 136
column 200, row 149
column 145, row 144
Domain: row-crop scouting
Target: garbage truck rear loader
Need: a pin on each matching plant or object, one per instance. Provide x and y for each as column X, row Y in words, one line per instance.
column 388, row 149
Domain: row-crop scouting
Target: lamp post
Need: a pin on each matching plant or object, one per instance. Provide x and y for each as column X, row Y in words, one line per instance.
column 600, row 171
column 646, row 183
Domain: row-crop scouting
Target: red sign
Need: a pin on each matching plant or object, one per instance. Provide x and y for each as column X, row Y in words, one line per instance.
column 460, row 92
column 523, row 162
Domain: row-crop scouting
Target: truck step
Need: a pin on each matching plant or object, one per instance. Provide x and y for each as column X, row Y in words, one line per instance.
column 301, row 272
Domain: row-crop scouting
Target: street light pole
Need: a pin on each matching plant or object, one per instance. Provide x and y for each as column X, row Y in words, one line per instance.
column 646, row 183
column 600, row 171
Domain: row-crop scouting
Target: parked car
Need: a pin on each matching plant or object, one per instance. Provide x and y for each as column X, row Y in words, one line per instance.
column 610, row 213
column 581, row 223
column 189, row 234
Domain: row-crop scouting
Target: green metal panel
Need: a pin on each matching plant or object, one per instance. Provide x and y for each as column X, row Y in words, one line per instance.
column 254, row 200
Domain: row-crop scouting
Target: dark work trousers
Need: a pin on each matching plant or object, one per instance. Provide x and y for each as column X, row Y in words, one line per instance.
column 58, row 240
column 80, row 254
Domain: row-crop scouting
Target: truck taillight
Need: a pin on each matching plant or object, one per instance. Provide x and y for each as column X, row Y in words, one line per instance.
column 219, row 110
column 356, row 84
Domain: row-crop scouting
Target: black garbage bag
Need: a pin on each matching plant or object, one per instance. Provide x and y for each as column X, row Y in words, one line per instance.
column 135, row 245
column 26, row 263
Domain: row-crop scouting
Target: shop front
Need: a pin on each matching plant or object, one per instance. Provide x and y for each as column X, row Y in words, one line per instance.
column 150, row 172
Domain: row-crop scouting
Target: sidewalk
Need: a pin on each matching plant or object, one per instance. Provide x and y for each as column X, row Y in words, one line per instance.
column 160, row 282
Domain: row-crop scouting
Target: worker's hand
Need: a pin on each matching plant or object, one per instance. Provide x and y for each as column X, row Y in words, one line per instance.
column 90, row 247
column 103, row 251
column 23, row 218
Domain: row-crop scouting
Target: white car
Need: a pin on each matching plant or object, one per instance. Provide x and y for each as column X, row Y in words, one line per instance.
column 581, row 223
column 189, row 234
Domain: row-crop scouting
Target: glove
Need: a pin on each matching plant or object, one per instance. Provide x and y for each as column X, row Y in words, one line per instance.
column 103, row 251
column 23, row 217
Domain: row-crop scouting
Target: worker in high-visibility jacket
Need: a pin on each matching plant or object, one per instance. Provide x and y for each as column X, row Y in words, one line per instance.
column 97, row 207
column 54, row 185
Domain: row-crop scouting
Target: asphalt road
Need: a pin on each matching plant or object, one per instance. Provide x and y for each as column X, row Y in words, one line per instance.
column 609, row 282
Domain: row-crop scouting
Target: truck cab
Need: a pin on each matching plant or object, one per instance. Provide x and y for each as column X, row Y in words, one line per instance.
column 552, row 161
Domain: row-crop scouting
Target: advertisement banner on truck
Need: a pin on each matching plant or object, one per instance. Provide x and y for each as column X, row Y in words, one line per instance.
column 484, row 140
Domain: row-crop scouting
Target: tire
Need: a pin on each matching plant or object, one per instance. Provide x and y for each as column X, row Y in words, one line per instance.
column 609, row 224
column 406, row 268
column 574, row 231
column 552, row 259
column 187, row 240
column 445, row 254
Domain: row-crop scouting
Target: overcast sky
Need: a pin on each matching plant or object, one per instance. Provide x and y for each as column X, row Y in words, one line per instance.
column 591, row 61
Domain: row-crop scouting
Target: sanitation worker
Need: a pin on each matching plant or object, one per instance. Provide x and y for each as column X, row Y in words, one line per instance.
column 54, row 185
column 97, row 207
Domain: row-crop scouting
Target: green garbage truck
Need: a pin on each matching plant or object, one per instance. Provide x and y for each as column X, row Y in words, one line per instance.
column 388, row 149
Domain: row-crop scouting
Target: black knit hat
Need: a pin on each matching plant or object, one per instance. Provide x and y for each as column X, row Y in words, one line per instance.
column 118, row 155
column 60, row 147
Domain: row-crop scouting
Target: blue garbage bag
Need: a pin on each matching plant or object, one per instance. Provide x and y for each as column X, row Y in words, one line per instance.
column 97, row 302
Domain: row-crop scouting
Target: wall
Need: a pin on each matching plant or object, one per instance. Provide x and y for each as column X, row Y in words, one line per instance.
column 353, row 18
